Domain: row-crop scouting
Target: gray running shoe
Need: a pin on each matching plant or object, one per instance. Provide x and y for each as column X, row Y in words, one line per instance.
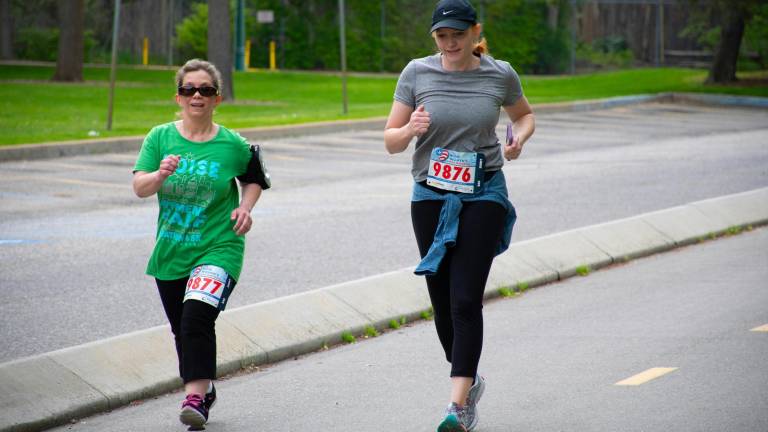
column 454, row 420
column 470, row 406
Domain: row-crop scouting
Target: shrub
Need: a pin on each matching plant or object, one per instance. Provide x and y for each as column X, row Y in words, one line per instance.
column 192, row 33
column 35, row 43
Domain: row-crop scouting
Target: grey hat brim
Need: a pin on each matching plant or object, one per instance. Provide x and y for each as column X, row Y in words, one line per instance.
column 451, row 23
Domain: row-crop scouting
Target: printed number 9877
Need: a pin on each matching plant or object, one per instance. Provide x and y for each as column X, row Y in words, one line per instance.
column 450, row 172
column 194, row 284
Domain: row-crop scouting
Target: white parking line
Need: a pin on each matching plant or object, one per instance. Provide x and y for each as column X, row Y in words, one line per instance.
column 644, row 377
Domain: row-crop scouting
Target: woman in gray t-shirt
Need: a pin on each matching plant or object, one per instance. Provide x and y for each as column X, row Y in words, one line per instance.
column 461, row 215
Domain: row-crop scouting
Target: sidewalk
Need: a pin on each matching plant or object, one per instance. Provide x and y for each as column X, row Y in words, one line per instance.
column 50, row 389
column 552, row 359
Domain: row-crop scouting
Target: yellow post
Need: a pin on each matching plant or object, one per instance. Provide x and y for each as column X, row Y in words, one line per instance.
column 247, row 54
column 145, row 52
column 272, row 63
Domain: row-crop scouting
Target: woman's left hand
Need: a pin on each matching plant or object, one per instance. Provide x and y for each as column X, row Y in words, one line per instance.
column 512, row 149
column 243, row 221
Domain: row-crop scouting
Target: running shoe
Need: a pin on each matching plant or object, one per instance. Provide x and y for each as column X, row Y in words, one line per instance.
column 210, row 398
column 453, row 421
column 193, row 411
column 470, row 407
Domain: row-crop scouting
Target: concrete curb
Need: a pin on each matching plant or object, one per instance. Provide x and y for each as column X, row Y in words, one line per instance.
column 47, row 390
column 133, row 143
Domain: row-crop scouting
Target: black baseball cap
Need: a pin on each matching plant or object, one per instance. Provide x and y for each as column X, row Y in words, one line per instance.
column 455, row 14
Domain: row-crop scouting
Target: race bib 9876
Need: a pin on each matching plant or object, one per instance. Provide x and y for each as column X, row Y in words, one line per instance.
column 455, row 171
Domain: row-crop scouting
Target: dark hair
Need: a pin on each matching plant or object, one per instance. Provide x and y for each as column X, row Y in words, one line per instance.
column 196, row 65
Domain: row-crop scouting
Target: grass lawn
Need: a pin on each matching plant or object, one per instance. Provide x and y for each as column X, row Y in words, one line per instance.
column 37, row 110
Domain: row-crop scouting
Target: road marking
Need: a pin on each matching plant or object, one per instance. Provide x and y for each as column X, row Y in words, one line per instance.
column 66, row 180
column 762, row 328
column 284, row 157
column 14, row 241
column 287, row 145
column 644, row 377
column 68, row 166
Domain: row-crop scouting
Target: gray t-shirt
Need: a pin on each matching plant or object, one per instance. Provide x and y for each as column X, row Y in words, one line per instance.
column 463, row 107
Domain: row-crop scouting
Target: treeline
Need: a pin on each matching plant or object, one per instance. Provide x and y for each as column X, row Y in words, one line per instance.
column 382, row 35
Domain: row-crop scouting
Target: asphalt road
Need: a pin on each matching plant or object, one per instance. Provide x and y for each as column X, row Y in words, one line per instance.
column 74, row 240
column 552, row 359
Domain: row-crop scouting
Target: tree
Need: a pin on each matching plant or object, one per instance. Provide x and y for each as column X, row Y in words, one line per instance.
column 6, row 30
column 69, row 61
column 730, row 18
column 220, row 44
column 734, row 16
column 192, row 33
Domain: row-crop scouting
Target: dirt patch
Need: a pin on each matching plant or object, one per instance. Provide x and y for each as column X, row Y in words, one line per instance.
column 749, row 82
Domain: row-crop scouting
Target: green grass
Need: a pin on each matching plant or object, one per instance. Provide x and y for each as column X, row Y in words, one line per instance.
column 733, row 230
column 370, row 332
column 348, row 337
column 396, row 324
column 37, row 110
column 583, row 270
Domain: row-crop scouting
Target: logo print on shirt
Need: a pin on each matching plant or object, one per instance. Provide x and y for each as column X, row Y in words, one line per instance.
column 445, row 12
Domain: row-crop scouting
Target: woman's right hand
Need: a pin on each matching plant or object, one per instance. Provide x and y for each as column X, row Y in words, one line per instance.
column 419, row 122
column 168, row 166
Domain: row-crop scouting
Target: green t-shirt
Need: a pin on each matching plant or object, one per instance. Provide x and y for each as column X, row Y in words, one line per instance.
column 196, row 201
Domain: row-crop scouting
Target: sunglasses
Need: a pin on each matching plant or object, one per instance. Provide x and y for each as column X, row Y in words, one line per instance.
column 206, row 91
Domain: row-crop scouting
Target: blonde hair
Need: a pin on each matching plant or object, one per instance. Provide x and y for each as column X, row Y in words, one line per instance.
column 196, row 65
column 481, row 47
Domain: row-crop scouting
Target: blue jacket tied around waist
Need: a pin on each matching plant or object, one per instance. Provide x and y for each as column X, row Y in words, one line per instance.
column 495, row 190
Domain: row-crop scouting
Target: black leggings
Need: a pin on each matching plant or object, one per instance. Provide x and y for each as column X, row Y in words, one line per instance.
column 456, row 291
column 193, row 324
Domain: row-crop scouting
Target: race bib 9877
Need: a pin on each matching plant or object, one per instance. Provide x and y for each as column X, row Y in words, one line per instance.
column 207, row 283
column 455, row 171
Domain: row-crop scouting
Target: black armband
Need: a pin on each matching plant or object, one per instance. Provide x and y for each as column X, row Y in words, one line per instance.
column 256, row 171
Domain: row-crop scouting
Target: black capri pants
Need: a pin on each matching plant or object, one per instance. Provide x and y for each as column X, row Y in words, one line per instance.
column 456, row 291
column 193, row 324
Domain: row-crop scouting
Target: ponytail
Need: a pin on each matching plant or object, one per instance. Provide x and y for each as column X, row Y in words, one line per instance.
column 480, row 47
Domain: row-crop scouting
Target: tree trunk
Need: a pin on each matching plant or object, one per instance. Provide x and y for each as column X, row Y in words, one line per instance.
column 220, row 44
column 69, row 61
column 553, row 12
column 6, row 30
column 723, row 68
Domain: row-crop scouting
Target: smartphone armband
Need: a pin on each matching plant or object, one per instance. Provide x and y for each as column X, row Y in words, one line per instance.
column 256, row 171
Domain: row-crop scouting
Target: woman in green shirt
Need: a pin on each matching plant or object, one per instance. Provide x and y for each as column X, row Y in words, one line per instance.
column 191, row 165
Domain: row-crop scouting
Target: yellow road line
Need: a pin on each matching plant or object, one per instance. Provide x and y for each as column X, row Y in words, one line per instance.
column 644, row 377
column 762, row 328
